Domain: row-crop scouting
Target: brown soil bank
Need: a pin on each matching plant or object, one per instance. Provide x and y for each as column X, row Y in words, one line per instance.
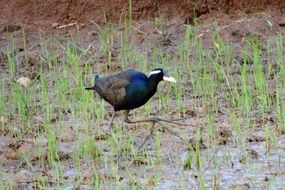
column 42, row 13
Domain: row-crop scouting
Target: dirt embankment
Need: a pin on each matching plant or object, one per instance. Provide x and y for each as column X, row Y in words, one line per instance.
column 44, row 13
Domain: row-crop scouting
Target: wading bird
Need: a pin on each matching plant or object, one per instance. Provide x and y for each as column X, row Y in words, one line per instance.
column 129, row 89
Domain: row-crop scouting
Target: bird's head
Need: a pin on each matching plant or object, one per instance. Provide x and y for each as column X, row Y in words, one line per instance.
column 159, row 74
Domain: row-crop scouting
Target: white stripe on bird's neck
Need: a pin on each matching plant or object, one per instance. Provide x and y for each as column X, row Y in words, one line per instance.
column 154, row 72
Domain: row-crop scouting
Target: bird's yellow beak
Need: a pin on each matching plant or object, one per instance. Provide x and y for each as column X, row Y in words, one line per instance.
column 169, row 79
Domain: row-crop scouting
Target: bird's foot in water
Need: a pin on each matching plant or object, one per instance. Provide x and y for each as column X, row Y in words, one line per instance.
column 158, row 121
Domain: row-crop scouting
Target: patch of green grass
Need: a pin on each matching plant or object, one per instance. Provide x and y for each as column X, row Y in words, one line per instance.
column 106, row 37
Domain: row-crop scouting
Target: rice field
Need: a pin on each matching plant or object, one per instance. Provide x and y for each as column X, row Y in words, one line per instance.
column 229, row 97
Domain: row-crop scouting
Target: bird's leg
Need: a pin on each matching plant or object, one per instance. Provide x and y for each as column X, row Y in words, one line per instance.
column 159, row 121
column 127, row 120
column 152, row 119
column 112, row 119
column 149, row 136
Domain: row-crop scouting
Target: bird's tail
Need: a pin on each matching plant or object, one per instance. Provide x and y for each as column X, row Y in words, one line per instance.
column 90, row 88
column 93, row 87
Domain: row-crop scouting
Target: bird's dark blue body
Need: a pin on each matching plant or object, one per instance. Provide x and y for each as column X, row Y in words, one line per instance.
column 138, row 91
column 129, row 89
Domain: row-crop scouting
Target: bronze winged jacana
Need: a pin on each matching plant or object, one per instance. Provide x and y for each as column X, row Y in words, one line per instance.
column 129, row 89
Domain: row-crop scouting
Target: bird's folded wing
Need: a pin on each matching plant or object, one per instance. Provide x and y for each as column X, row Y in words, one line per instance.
column 112, row 89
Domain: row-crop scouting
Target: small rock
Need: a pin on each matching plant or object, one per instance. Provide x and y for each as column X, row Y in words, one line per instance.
column 244, row 186
column 11, row 154
column 157, row 32
column 253, row 153
column 23, row 81
column 54, row 25
column 4, row 120
column 81, row 25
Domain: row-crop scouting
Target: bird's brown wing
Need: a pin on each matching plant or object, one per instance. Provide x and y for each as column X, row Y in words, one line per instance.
column 112, row 88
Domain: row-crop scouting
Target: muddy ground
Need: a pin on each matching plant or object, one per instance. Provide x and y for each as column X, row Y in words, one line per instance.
column 234, row 20
column 45, row 13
